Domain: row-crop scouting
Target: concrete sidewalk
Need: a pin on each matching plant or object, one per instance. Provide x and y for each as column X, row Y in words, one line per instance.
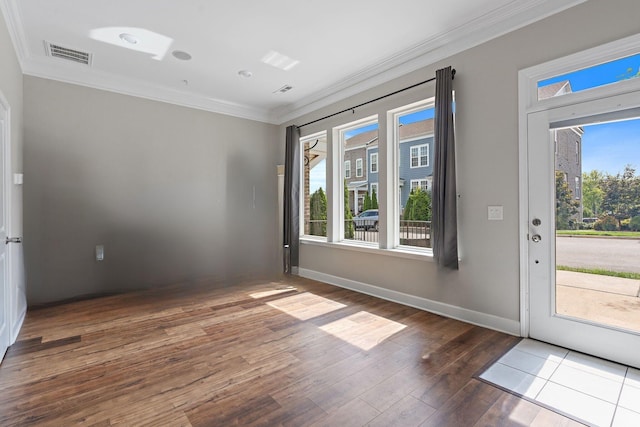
column 603, row 299
column 597, row 282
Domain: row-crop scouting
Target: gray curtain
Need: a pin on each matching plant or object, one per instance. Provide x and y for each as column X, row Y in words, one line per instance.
column 444, row 233
column 291, row 200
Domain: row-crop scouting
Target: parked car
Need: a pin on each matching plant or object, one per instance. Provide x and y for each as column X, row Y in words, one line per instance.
column 367, row 220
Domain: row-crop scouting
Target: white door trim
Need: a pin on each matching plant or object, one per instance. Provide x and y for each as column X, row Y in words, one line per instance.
column 5, row 117
column 528, row 102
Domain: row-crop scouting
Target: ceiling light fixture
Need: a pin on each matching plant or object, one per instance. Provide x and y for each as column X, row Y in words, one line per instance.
column 181, row 55
column 278, row 60
column 245, row 73
column 129, row 38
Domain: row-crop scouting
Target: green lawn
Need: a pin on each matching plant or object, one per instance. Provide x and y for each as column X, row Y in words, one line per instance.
column 598, row 233
column 635, row 276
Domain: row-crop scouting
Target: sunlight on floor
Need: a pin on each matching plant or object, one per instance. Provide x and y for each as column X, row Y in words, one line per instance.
column 271, row 292
column 363, row 330
column 306, row 305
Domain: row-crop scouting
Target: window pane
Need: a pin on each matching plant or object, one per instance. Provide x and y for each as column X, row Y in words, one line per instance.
column 360, row 143
column 315, row 184
column 590, row 77
column 415, row 147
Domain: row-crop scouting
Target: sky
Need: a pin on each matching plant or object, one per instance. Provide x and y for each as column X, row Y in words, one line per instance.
column 607, row 147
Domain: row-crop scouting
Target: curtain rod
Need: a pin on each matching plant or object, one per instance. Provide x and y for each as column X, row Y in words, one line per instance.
column 453, row 74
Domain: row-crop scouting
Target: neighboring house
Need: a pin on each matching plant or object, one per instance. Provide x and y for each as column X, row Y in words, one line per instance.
column 356, row 167
column 362, row 163
column 567, row 146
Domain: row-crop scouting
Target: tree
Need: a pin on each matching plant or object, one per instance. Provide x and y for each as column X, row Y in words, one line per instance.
column 318, row 213
column 349, row 227
column 366, row 205
column 374, row 199
column 566, row 205
column 592, row 194
column 622, row 194
column 418, row 207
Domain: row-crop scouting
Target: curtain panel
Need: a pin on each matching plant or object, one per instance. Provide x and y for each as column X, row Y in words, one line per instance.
column 444, row 204
column 291, row 201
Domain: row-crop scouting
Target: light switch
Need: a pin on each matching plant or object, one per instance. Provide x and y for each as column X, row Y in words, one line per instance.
column 495, row 213
column 18, row 178
column 99, row 253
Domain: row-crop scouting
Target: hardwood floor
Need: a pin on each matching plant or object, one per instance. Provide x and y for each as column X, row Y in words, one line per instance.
column 294, row 352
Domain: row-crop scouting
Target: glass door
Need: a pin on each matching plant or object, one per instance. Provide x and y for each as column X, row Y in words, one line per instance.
column 584, row 227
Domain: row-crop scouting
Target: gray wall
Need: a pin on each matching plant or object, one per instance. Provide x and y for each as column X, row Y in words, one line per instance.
column 168, row 191
column 487, row 138
column 11, row 89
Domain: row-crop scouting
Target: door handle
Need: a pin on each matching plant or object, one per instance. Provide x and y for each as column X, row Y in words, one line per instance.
column 13, row 240
column 536, row 238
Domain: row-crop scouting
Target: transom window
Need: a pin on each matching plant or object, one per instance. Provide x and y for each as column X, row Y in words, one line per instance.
column 419, row 156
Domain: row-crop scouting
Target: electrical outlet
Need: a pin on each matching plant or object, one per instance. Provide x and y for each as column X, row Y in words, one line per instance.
column 100, row 253
column 495, row 213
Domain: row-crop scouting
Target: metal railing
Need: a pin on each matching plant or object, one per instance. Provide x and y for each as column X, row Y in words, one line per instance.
column 412, row 233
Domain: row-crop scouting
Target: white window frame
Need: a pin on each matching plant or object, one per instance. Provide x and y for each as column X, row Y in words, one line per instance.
column 372, row 186
column 529, row 103
column 359, row 168
column 576, row 188
column 373, row 163
column 419, row 147
column 347, row 169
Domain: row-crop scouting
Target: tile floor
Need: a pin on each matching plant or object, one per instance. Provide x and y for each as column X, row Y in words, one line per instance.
column 593, row 391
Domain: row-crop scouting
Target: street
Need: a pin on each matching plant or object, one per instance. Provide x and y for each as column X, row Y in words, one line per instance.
column 596, row 252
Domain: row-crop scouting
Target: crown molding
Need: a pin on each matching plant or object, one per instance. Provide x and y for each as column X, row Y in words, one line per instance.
column 516, row 14
column 86, row 76
column 493, row 24
column 13, row 19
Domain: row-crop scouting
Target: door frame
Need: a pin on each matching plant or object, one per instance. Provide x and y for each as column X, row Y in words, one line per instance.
column 9, row 291
column 528, row 103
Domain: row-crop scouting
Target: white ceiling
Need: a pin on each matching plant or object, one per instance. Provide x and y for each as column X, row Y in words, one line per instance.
column 344, row 46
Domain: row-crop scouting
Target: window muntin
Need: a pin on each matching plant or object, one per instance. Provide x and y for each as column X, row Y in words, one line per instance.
column 591, row 77
column 373, row 163
column 359, row 171
column 347, row 169
column 422, row 184
column 373, row 188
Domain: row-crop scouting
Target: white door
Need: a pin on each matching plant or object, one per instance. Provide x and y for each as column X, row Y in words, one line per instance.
column 5, row 294
column 569, row 308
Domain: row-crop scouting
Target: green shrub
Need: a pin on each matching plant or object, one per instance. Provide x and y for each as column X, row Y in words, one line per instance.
column 634, row 223
column 606, row 223
column 624, row 224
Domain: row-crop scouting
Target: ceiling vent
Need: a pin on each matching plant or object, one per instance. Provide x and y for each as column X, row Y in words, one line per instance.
column 283, row 89
column 58, row 51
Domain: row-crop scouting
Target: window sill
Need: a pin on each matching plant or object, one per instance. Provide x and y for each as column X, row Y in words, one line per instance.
column 400, row 252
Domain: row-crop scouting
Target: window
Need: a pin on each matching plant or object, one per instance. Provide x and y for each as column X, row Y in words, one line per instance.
column 577, row 152
column 314, row 185
column 373, row 188
column 419, row 156
column 576, row 191
column 413, row 138
column 359, row 168
column 590, row 77
column 373, row 163
column 355, row 141
column 422, row 184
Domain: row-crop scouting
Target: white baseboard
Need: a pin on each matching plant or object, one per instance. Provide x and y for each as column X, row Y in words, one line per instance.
column 489, row 321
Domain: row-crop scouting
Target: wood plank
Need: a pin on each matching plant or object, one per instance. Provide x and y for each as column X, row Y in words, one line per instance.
column 289, row 352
